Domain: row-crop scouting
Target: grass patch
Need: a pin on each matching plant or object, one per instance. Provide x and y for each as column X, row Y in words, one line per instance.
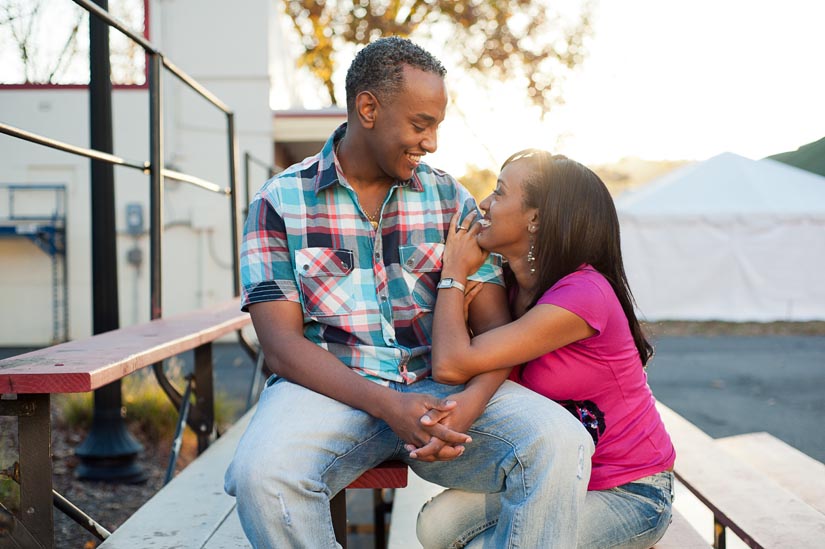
column 9, row 489
column 146, row 408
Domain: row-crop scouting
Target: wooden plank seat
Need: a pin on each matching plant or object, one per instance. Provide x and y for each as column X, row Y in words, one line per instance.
column 192, row 503
column 781, row 462
column 88, row 364
column 680, row 534
column 743, row 499
column 767, row 492
column 387, row 475
column 28, row 380
column 194, row 511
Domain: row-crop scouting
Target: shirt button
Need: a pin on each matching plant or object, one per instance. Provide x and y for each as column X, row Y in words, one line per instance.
column 383, row 298
column 378, row 256
column 306, row 267
column 410, row 262
column 392, row 341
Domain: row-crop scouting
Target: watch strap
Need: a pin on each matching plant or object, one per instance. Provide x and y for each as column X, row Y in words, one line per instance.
column 450, row 283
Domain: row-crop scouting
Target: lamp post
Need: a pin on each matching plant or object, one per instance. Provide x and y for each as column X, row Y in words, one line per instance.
column 109, row 451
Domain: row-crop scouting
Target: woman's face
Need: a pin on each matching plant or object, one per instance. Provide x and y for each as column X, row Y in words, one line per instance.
column 506, row 222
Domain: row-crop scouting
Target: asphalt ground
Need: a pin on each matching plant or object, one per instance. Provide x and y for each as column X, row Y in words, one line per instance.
column 730, row 385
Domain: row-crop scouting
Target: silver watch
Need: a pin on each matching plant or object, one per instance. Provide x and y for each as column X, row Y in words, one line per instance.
column 450, row 283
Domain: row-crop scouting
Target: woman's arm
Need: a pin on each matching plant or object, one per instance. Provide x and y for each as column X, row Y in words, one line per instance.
column 457, row 357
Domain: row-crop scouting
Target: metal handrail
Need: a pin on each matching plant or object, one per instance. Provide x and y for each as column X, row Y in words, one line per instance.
column 156, row 61
column 147, row 46
column 145, row 166
column 66, row 147
column 157, row 172
column 197, row 181
column 112, row 21
column 192, row 83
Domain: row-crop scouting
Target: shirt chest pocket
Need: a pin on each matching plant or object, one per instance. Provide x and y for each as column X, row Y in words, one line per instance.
column 421, row 269
column 326, row 282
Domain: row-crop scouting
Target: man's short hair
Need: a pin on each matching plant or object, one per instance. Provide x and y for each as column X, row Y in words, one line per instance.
column 379, row 67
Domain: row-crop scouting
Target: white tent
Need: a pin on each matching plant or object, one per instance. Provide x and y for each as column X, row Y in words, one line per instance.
column 728, row 239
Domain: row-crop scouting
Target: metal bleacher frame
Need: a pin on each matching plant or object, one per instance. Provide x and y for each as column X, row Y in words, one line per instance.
column 47, row 231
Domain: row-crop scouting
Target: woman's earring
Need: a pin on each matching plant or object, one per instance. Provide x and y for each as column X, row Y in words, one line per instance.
column 531, row 257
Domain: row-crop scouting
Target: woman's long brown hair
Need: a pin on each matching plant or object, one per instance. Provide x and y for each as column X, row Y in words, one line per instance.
column 577, row 224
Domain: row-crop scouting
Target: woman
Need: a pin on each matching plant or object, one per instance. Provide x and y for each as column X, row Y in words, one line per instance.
column 575, row 339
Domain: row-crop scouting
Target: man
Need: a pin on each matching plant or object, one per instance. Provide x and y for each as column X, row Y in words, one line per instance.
column 340, row 263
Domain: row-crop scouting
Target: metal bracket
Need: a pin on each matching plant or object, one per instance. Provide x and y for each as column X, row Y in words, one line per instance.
column 15, row 532
column 17, row 407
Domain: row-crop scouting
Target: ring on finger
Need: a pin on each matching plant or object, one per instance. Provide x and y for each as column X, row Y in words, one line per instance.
column 460, row 228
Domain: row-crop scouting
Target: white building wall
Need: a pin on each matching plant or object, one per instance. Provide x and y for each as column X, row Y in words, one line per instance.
column 225, row 48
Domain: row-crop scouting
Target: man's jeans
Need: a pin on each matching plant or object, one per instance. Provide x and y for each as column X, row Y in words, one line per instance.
column 632, row 516
column 301, row 448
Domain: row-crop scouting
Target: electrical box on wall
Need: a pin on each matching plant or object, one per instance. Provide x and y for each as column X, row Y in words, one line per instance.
column 134, row 218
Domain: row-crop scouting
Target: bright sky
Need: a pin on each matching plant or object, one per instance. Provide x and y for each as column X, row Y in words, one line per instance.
column 679, row 79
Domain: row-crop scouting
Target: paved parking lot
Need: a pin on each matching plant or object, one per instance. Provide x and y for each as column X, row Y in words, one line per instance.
column 740, row 384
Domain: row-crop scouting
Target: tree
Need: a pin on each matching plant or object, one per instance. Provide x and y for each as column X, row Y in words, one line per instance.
column 496, row 39
column 479, row 181
column 51, row 39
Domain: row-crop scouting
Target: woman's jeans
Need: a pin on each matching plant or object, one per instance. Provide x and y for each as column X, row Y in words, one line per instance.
column 632, row 516
column 301, row 448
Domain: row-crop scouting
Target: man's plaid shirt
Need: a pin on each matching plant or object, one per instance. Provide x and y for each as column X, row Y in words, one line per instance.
column 367, row 295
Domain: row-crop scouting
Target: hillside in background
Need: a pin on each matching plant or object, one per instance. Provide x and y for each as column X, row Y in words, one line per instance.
column 618, row 176
column 632, row 172
column 810, row 157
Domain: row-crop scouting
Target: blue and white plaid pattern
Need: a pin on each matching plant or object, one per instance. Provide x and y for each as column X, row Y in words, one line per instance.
column 367, row 295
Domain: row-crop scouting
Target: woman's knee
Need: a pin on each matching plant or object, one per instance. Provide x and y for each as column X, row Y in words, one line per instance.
column 454, row 517
column 428, row 527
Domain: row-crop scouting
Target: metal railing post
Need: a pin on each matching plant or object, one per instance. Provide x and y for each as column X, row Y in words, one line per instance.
column 155, row 183
column 233, row 200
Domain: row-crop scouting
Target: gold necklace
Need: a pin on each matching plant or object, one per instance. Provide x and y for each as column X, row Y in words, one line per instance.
column 373, row 219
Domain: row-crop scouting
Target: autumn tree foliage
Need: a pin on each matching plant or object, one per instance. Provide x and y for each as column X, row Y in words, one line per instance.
column 496, row 39
column 479, row 181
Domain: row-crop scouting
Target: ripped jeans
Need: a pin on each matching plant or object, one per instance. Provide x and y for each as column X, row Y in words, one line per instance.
column 631, row 516
column 301, row 448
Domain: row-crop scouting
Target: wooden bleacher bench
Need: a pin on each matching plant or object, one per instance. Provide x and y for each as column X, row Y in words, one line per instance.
column 193, row 506
column 758, row 506
column 768, row 493
column 407, row 503
column 782, row 463
column 194, row 511
column 27, row 382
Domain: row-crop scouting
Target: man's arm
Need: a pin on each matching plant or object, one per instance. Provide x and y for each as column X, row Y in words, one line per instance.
column 279, row 325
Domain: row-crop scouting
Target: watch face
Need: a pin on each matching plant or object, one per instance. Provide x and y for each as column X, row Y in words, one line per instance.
column 445, row 283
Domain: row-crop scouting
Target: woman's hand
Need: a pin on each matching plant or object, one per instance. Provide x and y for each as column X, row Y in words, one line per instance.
column 462, row 254
column 472, row 291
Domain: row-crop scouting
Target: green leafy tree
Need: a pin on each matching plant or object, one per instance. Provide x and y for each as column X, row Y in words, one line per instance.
column 496, row 39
